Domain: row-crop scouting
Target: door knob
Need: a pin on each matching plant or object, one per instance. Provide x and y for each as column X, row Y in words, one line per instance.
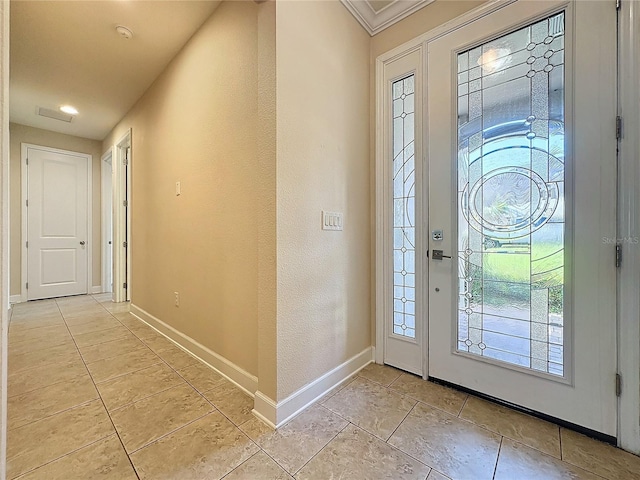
column 82, row 242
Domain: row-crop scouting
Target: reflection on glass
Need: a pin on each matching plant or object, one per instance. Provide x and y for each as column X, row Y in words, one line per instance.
column 404, row 259
column 511, row 197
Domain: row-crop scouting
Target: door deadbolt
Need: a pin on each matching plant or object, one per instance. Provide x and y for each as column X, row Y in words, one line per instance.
column 82, row 242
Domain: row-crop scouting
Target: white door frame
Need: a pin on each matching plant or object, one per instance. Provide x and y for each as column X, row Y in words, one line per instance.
column 629, row 227
column 107, row 212
column 628, row 305
column 122, row 220
column 25, row 212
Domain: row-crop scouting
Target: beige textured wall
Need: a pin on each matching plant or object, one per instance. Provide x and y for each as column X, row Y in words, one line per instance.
column 322, row 163
column 197, row 124
column 267, row 254
column 22, row 134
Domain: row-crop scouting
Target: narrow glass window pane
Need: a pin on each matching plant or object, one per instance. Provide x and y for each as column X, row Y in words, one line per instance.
column 404, row 259
column 510, row 172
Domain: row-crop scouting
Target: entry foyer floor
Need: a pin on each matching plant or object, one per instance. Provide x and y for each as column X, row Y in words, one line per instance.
column 95, row 393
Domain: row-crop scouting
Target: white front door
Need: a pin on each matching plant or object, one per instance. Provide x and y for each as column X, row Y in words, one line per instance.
column 522, row 163
column 57, row 222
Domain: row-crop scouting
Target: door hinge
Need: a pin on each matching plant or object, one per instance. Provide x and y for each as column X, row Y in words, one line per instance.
column 26, row 202
column 26, row 244
column 124, row 285
column 125, row 244
column 618, row 2
column 125, row 203
column 618, row 127
column 618, row 385
column 27, row 160
column 618, row 255
column 26, row 285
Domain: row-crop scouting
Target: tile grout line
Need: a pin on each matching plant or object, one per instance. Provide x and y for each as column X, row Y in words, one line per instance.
column 560, row 439
column 393, row 447
column 167, row 434
column 321, row 449
column 464, row 404
column 114, row 434
column 122, row 374
column 240, row 464
column 495, row 468
column 142, row 398
column 218, row 408
column 401, row 422
column 103, row 404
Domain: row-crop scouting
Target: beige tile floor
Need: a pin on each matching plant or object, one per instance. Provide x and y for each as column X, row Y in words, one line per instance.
column 96, row 394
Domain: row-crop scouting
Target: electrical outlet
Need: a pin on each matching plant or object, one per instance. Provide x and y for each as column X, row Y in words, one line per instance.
column 177, row 298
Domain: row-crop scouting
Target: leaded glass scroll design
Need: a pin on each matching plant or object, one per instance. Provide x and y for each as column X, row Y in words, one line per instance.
column 511, row 201
column 404, row 232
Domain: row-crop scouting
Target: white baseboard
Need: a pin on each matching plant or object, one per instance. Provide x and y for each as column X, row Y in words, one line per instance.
column 15, row 298
column 277, row 414
column 241, row 378
column 96, row 289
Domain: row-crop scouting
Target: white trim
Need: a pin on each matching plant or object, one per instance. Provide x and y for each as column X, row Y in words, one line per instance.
column 96, row 289
column 374, row 22
column 448, row 27
column 265, row 409
column 24, row 211
column 236, row 375
column 15, row 299
column 105, row 196
column 120, row 261
column 276, row 414
column 629, row 227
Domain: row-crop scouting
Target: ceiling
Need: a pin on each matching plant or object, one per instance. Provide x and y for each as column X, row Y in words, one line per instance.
column 376, row 15
column 68, row 52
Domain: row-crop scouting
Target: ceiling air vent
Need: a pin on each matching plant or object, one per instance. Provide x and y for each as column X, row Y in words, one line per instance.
column 55, row 114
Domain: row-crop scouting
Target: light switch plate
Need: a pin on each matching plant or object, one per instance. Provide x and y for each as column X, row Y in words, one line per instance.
column 177, row 189
column 332, row 220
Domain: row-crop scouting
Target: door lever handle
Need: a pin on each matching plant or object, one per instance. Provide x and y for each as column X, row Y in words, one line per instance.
column 82, row 242
column 438, row 255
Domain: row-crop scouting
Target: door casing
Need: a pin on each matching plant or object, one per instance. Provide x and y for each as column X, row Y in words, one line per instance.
column 107, row 220
column 122, row 219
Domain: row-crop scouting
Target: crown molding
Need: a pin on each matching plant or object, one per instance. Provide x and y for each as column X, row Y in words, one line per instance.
column 374, row 22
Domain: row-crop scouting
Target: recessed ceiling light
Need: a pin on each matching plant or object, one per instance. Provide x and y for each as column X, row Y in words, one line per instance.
column 69, row 109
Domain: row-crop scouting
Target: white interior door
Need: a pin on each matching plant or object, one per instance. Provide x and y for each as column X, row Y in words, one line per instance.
column 57, row 223
column 522, row 159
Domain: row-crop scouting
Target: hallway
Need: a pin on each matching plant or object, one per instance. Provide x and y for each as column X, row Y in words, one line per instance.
column 96, row 393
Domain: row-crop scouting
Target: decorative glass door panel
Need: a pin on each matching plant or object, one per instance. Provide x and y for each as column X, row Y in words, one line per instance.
column 404, row 216
column 511, row 197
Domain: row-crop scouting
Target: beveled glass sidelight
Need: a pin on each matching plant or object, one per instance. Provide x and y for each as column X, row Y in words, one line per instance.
column 511, row 201
column 404, row 232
